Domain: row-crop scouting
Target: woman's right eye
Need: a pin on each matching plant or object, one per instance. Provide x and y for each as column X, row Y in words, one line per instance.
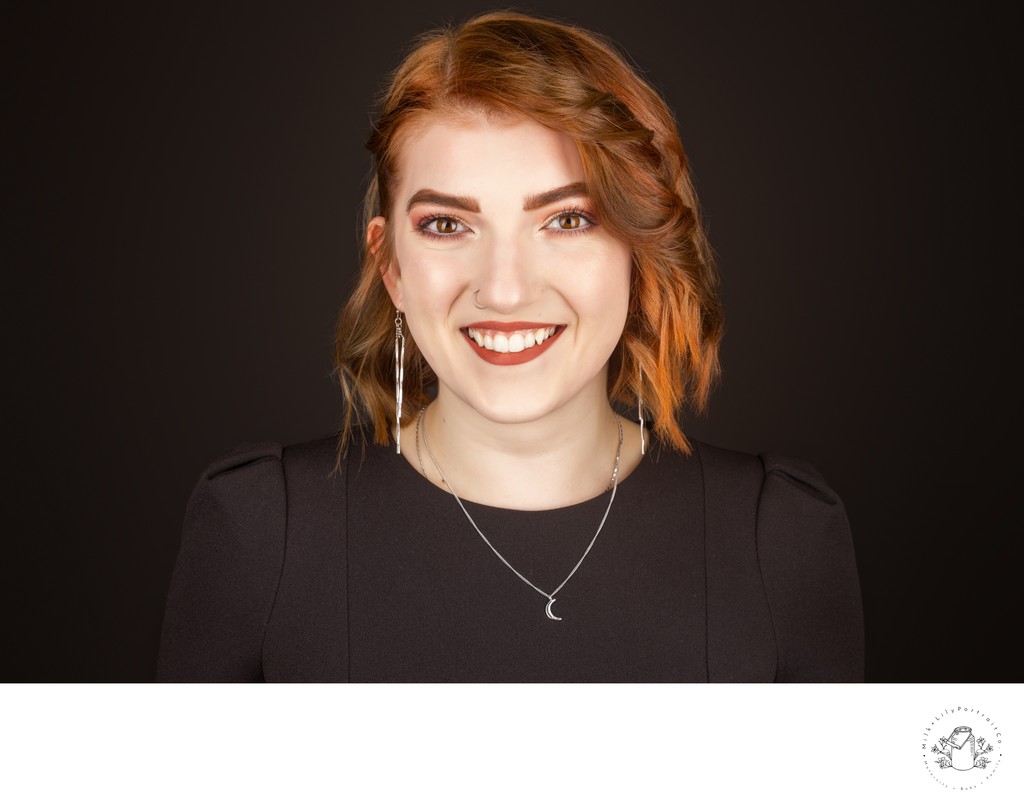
column 441, row 227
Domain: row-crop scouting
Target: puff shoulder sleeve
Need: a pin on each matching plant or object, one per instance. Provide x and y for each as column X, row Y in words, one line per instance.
column 227, row 570
column 805, row 551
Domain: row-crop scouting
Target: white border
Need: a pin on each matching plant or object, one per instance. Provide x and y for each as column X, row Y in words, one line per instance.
column 487, row 745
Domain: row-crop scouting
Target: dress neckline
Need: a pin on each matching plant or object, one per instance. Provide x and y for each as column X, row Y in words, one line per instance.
column 411, row 477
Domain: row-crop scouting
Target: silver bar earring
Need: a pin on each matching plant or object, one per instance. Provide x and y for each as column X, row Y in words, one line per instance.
column 399, row 378
column 640, row 410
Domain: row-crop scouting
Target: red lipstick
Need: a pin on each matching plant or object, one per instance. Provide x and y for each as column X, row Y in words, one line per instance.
column 512, row 357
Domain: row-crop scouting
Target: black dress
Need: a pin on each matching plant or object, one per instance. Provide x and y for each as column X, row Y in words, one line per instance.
column 718, row 566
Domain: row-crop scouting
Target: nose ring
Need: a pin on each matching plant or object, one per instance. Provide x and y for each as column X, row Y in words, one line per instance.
column 476, row 303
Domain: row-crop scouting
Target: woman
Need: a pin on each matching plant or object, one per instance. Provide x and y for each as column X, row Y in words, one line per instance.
column 534, row 257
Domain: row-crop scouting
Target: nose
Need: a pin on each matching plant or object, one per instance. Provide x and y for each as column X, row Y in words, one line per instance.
column 507, row 280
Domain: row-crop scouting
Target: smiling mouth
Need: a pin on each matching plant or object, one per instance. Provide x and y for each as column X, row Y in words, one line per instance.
column 511, row 343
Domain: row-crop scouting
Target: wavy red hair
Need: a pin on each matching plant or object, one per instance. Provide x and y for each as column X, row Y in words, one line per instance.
column 635, row 168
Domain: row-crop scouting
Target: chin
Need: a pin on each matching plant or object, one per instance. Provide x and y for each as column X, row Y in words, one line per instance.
column 526, row 393
column 511, row 412
column 516, row 406
column 524, row 403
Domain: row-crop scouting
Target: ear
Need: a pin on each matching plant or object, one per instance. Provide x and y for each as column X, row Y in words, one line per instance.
column 375, row 232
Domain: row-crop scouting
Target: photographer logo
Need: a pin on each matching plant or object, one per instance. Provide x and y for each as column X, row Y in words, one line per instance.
column 962, row 748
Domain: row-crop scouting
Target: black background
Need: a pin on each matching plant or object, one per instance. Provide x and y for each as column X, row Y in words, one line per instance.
column 181, row 189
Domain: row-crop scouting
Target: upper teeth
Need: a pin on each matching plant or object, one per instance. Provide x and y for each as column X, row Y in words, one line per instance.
column 510, row 342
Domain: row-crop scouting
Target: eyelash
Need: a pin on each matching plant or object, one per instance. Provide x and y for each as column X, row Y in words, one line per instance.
column 425, row 222
column 586, row 217
column 423, row 225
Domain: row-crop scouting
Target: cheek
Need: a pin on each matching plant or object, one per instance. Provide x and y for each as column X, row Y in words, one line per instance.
column 431, row 282
column 603, row 288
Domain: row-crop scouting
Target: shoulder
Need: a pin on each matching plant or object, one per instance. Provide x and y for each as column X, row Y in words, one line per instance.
column 242, row 479
column 796, row 500
column 264, row 459
column 797, row 478
column 228, row 563
column 787, row 496
column 808, row 566
column 727, row 472
column 731, row 462
column 803, row 533
column 796, row 526
column 242, row 459
column 247, row 487
column 780, row 477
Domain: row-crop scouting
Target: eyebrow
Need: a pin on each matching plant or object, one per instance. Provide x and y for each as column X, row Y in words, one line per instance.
column 447, row 200
column 530, row 203
column 554, row 195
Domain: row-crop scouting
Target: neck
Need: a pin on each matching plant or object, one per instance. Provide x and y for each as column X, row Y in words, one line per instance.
column 563, row 458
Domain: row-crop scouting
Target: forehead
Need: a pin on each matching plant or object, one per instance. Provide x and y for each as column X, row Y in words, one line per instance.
column 490, row 157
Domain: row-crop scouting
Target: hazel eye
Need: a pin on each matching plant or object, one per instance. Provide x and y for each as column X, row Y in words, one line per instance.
column 439, row 226
column 445, row 225
column 570, row 222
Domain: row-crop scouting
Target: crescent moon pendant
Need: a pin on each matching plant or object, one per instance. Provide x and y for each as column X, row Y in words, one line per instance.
column 550, row 614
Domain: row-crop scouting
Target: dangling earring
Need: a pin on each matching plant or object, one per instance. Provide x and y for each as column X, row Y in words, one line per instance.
column 399, row 378
column 640, row 410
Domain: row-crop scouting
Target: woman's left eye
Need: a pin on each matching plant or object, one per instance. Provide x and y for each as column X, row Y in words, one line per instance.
column 570, row 221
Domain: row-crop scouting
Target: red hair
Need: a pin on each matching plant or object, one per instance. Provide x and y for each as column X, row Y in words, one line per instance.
column 636, row 173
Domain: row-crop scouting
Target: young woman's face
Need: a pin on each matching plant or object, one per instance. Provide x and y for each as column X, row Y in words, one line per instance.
column 514, row 293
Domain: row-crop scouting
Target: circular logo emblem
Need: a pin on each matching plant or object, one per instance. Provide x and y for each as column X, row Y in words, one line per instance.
column 962, row 747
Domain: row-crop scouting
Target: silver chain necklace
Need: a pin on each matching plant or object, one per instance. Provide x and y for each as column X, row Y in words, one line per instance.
column 549, row 596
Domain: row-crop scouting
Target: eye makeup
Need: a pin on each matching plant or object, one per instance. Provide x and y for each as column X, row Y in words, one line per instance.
column 424, row 225
column 587, row 222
